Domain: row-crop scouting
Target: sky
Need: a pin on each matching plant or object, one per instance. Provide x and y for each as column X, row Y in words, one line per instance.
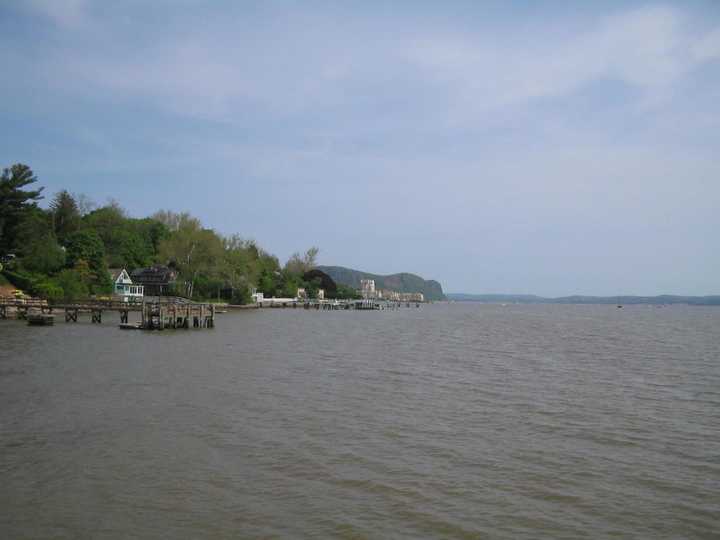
column 551, row 148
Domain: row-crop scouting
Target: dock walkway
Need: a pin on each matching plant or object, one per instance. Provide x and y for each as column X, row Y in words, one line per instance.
column 156, row 312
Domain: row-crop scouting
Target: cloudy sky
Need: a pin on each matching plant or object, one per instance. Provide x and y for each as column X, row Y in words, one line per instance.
column 522, row 147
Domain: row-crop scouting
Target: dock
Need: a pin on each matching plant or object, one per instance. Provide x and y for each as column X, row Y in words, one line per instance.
column 156, row 313
column 361, row 305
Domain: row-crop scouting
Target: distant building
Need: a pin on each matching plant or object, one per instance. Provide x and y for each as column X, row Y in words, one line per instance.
column 391, row 296
column 257, row 297
column 321, row 294
column 301, row 293
column 367, row 289
column 157, row 280
column 124, row 287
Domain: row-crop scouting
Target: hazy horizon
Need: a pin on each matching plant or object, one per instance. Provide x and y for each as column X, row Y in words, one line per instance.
column 578, row 294
column 554, row 148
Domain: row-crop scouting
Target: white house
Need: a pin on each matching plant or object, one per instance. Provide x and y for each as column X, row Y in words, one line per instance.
column 124, row 287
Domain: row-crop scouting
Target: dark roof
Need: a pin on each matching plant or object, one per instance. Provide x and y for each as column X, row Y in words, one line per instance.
column 153, row 274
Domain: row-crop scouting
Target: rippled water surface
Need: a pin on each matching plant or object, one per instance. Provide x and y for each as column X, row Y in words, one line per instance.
column 448, row 421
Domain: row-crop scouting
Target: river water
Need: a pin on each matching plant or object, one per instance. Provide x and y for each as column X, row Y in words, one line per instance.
column 448, row 421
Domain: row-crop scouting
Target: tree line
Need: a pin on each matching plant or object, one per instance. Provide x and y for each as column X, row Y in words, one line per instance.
column 64, row 252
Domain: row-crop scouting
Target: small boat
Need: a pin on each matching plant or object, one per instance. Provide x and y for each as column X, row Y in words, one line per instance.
column 43, row 319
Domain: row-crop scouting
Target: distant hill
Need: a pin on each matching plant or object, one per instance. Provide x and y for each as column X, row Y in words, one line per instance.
column 404, row 282
column 622, row 300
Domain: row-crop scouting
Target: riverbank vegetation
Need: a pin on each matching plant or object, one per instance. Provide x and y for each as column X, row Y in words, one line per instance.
column 64, row 251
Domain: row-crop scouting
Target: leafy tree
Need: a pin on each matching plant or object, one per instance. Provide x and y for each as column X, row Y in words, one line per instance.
column 85, row 245
column 129, row 243
column 345, row 292
column 50, row 290
column 72, row 284
column 85, row 204
column 44, row 256
column 37, row 246
column 195, row 251
column 298, row 265
column 15, row 201
column 35, row 224
column 85, row 248
column 65, row 214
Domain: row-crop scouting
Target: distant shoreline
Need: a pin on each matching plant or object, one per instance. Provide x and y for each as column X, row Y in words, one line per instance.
column 664, row 299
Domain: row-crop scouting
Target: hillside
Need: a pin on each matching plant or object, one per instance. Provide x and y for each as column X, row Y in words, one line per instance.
column 623, row 300
column 403, row 282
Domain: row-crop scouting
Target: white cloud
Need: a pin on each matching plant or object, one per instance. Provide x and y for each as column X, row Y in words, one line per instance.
column 650, row 49
column 220, row 72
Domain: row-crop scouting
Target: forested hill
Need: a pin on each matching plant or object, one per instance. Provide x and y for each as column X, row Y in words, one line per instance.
column 622, row 300
column 404, row 282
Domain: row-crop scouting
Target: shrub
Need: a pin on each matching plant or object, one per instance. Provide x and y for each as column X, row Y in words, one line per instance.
column 50, row 291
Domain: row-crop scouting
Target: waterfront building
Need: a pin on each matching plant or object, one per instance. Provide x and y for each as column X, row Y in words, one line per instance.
column 391, row 296
column 367, row 289
column 301, row 293
column 257, row 297
column 124, row 287
column 158, row 280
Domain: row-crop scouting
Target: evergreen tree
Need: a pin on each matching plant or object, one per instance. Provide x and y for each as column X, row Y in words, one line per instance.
column 15, row 201
column 66, row 215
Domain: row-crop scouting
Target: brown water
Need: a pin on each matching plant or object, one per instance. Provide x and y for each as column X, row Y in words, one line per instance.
column 449, row 421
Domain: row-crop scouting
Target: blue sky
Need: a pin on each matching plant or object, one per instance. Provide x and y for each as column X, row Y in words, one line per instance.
column 522, row 147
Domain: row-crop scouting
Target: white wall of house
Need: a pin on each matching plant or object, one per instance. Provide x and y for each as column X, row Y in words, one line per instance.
column 125, row 288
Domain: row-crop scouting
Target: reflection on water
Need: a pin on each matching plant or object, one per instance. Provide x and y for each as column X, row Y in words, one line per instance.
column 449, row 421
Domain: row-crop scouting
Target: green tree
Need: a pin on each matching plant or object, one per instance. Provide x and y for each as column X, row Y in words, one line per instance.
column 50, row 290
column 15, row 201
column 65, row 214
column 38, row 248
column 72, row 284
column 194, row 251
column 129, row 243
column 44, row 256
column 299, row 264
column 85, row 247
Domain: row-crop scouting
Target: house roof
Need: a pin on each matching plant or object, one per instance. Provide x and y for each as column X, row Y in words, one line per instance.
column 154, row 274
column 115, row 273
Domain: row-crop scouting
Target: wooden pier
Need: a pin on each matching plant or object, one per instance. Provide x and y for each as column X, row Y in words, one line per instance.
column 363, row 305
column 157, row 313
